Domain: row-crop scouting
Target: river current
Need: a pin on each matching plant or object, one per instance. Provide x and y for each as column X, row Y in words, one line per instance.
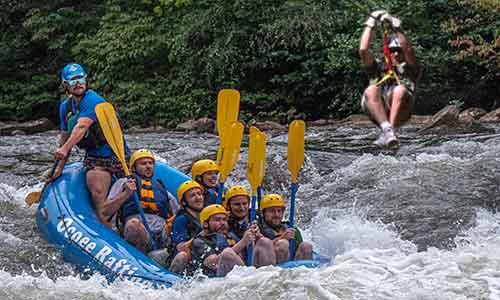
column 419, row 223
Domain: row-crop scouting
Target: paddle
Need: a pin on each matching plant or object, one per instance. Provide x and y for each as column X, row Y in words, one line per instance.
column 295, row 159
column 228, row 106
column 230, row 154
column 256, row 168
column 34, row 197
column 112, row 131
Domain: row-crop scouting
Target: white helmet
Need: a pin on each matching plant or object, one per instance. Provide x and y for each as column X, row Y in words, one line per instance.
column 394, row 42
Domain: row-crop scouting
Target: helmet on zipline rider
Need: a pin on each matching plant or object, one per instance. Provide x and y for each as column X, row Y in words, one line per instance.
column 211, row 210
column 203, row 166
column 141, row 153
column 394, row 42
column 236, row 190
column 72, row 70
column 186, row 186
column 271, row 200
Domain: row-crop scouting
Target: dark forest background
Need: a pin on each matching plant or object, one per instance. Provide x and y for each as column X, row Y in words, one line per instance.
column 162, row 62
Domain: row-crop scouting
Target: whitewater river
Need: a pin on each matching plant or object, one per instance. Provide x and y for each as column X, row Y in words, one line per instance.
column 417, row 224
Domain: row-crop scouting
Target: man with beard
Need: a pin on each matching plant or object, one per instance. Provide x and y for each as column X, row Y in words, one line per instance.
column 157, row 203
column 237, row 203
column 215, row 253
column 79, row 126
column 390, row 96
column 272, row 208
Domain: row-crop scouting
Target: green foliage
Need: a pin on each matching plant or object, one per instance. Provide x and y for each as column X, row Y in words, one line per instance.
column 163, row 61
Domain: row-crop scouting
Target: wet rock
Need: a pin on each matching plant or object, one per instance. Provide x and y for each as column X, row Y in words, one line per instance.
column 270, row 126
column 29, row 127
column 137, row 129
column 419, row 119
column 493, row 116
column 203, row 125
column 357, row 120
column 473, row 113
column 448, row 121
column 321, row 123
column 18, row 132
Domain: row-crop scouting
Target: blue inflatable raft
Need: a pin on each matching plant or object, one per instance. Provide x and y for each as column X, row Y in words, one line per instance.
column 66, row 219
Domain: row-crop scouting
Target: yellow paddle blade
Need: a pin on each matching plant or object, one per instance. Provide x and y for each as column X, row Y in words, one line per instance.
column 256, row 165
column 228, row 107
column 112, row 131
column 231, row 149
column 295, row 147
column 32, row 198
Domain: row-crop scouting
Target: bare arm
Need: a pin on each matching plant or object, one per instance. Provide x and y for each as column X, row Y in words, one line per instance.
column 76, row 135
column 364, row 47
column 113, row 204
column 407, row 48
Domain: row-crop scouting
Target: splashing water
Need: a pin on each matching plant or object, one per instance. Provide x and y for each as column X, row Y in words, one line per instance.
column 419, row 224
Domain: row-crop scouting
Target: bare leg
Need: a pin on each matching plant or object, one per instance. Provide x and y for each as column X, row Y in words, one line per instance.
column 179, row 263
column 98, row 182
column 304, row 251
column 375, row 104
column 135, row 233
column 400, row 108
column 263, row 253
column 281, row 249
column 227, row 260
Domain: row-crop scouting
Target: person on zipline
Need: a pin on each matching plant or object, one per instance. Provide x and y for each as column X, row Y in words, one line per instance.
column 79, row 126
column 390, row 96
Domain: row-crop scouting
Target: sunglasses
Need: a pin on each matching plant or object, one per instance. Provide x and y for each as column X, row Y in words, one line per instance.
column 398, row 50
column 73, row 82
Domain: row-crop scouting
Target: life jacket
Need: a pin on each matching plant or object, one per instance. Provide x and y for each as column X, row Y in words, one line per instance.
column 210, row 197
column 236, row 229
column 193, row 226
column 153, row 198
column 214, row 243
column 93, row 138
column 272, row 234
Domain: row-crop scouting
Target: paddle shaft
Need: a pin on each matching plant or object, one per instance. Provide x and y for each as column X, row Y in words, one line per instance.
column 252, row 218
column 52, row 171
column 292, row 213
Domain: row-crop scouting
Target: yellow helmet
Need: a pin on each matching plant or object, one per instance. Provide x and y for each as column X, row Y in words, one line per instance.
column 271, row 200
column 202, row 166
column 236, row 190
column 141, row 153
column 211, row 210
column 186, row 186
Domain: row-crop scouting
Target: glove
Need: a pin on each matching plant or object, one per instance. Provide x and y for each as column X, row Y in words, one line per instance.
column 394, row 22
column 375, row 18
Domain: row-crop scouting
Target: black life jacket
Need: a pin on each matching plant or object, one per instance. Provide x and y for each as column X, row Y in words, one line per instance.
column 93, row 138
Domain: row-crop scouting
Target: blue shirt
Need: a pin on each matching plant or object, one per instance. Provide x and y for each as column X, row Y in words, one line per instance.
column 180, row 232
column 86, row 109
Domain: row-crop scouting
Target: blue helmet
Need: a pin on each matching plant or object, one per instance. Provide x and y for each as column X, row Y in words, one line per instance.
column 71, row 70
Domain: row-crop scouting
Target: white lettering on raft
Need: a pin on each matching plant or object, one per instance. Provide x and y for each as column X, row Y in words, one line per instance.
column 104, row 255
